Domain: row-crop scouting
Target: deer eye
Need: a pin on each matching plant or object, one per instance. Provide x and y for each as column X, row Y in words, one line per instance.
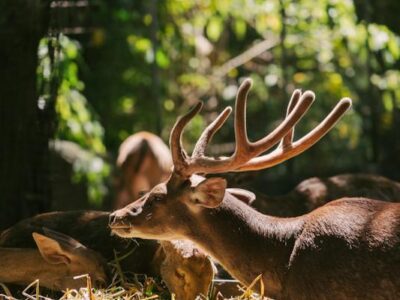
column 158, row 197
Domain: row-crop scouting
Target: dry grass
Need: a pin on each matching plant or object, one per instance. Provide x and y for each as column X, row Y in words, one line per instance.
column 123, row 287
column 129, row 291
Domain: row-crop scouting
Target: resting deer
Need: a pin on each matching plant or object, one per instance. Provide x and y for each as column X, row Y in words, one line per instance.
column 55, row 262
column 347, row 249
column 186, row 271
column 317, row 191
column 144, row 161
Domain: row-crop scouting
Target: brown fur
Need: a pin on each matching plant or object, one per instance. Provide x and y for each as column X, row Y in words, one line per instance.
column 90, row 227
column 185, row 269
column 347, row 249
column 144, row 161
column 317, row 191
column 55, row 264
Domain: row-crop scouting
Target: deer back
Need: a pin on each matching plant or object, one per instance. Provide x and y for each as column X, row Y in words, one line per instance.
column 317, row 191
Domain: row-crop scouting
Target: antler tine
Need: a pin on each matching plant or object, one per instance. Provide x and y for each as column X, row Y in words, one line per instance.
column 245, row 150
column 288, row 139
column 282, row 154
column 302, row 106
column 240, row 123
column 245, row 156
column 241, row 140
column 175, row 141
column 208, row 133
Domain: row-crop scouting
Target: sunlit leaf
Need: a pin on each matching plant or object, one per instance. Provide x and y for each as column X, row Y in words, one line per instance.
column 214, row 28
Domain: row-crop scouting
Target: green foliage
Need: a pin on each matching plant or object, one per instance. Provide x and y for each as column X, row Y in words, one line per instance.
column 317, row 45
column 77, row 121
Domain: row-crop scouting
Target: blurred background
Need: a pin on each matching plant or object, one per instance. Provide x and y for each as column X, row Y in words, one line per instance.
column 79, row 77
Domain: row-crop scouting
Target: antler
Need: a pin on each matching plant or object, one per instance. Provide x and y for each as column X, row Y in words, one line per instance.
column 246, row 153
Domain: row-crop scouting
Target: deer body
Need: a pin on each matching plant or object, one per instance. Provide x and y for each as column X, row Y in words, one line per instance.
column 332, row 253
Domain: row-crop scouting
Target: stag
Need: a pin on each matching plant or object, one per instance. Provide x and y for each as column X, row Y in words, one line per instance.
column 346, row 249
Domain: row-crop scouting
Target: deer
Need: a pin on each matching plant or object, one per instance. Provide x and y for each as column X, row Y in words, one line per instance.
column 187, row 271
column 55, row 262
column 346, row 249
column 144, row 161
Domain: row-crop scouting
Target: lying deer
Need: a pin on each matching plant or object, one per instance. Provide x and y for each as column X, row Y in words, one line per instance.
column 179, row 264
column 144, row 161
column 346, row 249
column 317, row 191
column 55, row 262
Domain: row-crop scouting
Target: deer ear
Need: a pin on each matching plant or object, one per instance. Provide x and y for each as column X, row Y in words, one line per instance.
column 243, row 195
column 51, row 250
column 209, row 193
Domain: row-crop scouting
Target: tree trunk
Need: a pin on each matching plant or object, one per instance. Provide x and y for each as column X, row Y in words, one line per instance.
column 24, row 144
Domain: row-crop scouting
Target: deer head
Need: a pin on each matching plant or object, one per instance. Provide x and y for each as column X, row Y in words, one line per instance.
column 70, row 258
column 187, row 271
column 143, row 161
column 171, row 209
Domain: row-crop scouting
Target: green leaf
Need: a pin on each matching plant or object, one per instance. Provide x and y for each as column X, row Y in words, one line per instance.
column 162, row 59
column 239, row 27
column 214, row 28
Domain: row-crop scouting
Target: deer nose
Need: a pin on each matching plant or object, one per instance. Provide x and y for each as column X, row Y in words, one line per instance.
column 134, row 211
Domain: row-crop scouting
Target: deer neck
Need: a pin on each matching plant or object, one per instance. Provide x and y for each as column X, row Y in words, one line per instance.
column 246, row 242
column 23, row 266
